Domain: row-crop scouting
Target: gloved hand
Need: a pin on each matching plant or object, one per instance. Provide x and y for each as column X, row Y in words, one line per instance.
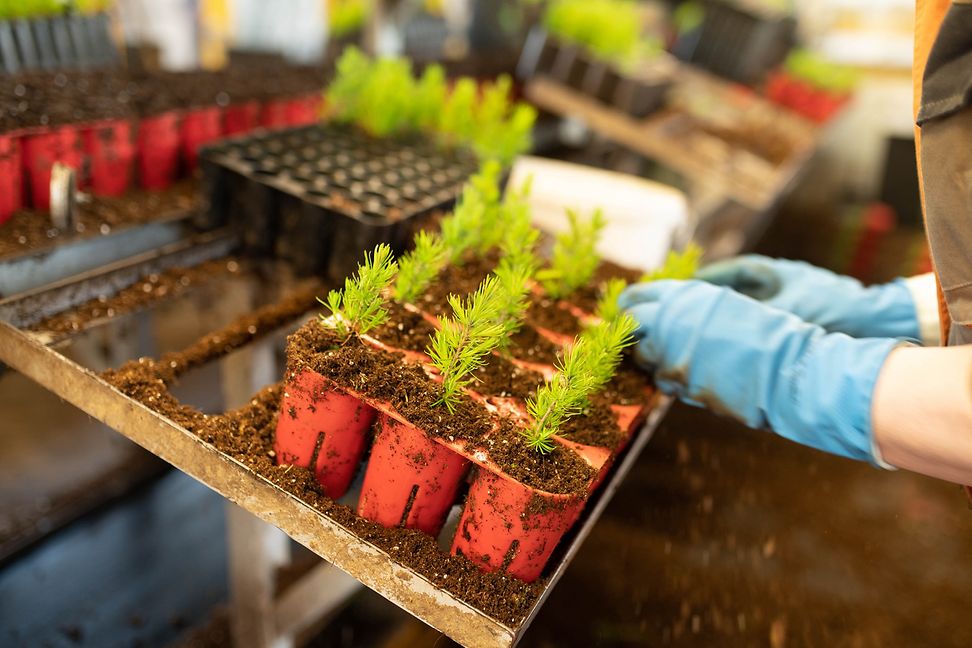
column 765, row 367
column 837, row 303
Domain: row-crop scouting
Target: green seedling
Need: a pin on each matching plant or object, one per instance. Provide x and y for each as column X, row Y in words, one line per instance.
column 611, row 29
column 360, row 306
column 346, row 16
column 463, row 341
column 607, row 307
column 474, row 224
column 419, row 268
column 586, row 367
column 574, row 258
column 678, row 265
column 514, row 277
column 429, row 97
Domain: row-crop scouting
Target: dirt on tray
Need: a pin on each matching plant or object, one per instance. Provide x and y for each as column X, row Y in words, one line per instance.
column 246, row 435
column 527, row 344
column 167, row 284
column 629, row 383
column 457, row 280
column 545, row 313
column 32, row 230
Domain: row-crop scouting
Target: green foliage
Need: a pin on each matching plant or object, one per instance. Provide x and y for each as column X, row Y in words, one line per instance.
column 514, row 280
column 607, row 306
column 611, row 29
column 14, row 9
column 678, row 265
column 519, row 236
column 574, row 257
column 360, row 306
column 461, row 343
column 418, row 268
column 346, row 16
column 382, row 97
column 90, row 6
column 474, row 224
column 817, row 71
column 586, row 367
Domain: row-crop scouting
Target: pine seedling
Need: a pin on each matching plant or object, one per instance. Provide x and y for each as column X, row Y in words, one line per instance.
column 607, row 307
column 519, row 238
column 587, row 366
column 418, row 268
column 513, row 276
column 360, row 306
column 430, row 94
column 678, row 265
column 475, row 222
column 462, row 342
column 574, row 257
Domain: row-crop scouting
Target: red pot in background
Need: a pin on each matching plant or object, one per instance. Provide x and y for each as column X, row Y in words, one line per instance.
column 241, row 118
column 302, row 111
column 322, row 429
column 274, row 114
column 199, row 127
column 157, row 151
column 411, row 480
column 11, row 176
column 39, row 153
column 509, row 526
column 110, row 151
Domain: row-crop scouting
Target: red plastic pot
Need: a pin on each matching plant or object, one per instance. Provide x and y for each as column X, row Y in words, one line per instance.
column 322, row 429
column 40, row 152
column 509, row 526
column 302, row 111
column 158, row 150
column 241, row 118
column 274, row 114
column 110, row 151
column 411, row 480
column 199, row 127
column 11, row 176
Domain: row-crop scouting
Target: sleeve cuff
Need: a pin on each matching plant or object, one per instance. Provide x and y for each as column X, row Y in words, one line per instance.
column 925, row 296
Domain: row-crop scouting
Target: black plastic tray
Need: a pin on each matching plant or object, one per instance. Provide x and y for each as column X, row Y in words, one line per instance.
column 67, row 41
column 317, row 196
column 573, row 66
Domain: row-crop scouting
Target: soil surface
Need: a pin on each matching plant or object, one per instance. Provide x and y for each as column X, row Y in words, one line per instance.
column 32, row 230
column 457, row 280
column 166, row 284
column 545, row 313
column 561, row 466
column 500, row 377
column 595, row 426
column 405, row 329
column 527, row 344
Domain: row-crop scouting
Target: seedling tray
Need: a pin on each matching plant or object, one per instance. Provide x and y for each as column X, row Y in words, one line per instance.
column 318, row 195
column 702, row 135
column 637, row 94
column 48, row 360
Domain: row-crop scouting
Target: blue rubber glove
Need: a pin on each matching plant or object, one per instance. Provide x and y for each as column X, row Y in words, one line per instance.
column 837, row 303
column 713, row 347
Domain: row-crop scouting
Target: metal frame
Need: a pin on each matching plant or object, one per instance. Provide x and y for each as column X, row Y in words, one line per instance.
column 367, row 563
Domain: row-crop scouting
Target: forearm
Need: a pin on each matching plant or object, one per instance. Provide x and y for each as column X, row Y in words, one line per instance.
column 922, row 411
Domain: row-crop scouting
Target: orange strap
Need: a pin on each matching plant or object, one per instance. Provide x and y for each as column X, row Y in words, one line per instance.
column 928, row 18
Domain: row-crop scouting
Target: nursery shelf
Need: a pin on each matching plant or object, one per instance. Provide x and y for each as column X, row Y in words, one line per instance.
column 31, row 354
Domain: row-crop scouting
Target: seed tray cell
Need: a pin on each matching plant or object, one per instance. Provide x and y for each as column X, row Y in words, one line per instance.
column 317, row 195
column 637, row 95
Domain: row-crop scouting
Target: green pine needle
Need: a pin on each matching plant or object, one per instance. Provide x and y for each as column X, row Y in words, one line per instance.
column 678, row 265
column 587, row 366
column 574, row 257
column 419, row 267
column 463, row 341
column 607, row 306
column 360, row 306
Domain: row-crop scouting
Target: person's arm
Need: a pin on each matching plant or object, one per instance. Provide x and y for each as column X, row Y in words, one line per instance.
column 922, row 411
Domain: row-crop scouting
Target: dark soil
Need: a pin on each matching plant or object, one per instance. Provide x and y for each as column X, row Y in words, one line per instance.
column 561, row 468
column 30, row 229
column 627, row 387
column 500, row 377
column 457, row 280
column 527, row 344
column 587, row 297
column 596, row 426
column 545, row 313
column 405, row 329
column 170, row 283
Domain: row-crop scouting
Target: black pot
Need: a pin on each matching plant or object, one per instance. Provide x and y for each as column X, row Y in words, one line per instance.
column 103, row 49
column 63, row 47
column 26, row 48
column 579, row 70
column 80, row 42
column 9, row 56
column 563, row 65
column 641, row 98
column 44, row 42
